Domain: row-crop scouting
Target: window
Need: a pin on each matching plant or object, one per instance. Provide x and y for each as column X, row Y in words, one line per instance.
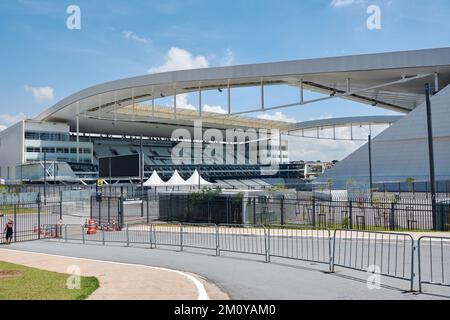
column 48, row 149
column 33, row 149
column 45, row 136
column 73, row 150
column 31, row 135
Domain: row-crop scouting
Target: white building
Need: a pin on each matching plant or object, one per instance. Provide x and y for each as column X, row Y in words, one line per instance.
column 24, row 145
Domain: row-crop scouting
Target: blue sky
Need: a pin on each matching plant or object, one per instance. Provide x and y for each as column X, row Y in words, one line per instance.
column 42, row 61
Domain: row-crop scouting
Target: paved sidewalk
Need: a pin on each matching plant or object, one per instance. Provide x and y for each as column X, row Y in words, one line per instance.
column 123, row 281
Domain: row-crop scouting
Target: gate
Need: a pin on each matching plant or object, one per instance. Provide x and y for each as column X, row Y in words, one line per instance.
column 106, row 210
column 31, row 221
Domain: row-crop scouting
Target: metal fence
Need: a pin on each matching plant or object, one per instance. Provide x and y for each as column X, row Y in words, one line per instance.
column 31, row 221
column 385, row 253
column 376, row 214
column 300, row 244
column 243, row 239
column 389, row 254
column 434, row 261
column 106, row 210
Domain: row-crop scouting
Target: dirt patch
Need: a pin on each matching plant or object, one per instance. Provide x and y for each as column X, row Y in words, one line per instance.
column 10, row 274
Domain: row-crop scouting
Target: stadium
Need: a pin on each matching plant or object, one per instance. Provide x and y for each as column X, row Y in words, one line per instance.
column 223, row 183
column 125, row 117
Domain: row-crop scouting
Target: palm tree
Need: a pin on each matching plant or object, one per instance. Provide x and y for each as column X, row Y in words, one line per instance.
column 330, row 185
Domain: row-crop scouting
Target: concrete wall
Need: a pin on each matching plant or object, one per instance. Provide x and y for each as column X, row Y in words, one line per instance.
column 401, row 151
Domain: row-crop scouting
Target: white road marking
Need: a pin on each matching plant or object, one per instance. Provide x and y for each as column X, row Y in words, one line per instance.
column 201, row 291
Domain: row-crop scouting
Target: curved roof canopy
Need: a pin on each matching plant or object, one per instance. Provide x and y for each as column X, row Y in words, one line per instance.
column 343, row 122
column 392, row 80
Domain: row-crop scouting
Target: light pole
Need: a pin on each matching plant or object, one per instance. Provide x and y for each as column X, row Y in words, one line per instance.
column 431, row 156
column 370, row 166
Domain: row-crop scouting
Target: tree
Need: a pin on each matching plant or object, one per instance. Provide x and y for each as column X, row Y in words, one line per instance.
column 410, row 182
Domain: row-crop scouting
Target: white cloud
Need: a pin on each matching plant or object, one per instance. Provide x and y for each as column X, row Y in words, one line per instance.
column 310, row 149
column 180, row 59
column 214, row 109
column 341, row 3
column 228, row 58
column 41, row 94
column 182, row 102
column 7, row 119
column 130, row 35
column 278, row 116
column 326, row 115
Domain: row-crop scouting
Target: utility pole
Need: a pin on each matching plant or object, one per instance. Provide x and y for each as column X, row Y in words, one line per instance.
column 431, row 156
column 370, row 166
column 141, row 171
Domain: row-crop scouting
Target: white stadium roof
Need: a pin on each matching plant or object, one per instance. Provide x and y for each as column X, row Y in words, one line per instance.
column 392, row 80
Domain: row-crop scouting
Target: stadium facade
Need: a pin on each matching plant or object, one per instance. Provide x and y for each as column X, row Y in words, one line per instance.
column 123, row 117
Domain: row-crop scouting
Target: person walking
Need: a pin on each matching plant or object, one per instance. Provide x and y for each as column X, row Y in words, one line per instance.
column 9, row 231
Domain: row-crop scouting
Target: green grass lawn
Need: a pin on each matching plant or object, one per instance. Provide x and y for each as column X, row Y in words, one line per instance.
column 9, row 209
column 18, row 282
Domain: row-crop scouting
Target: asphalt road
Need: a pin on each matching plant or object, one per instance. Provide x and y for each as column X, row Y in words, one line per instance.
column 247, row 276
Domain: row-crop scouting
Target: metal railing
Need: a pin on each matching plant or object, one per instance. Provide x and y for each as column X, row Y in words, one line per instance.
column 298, row 243
column 434, row 261
column 392, row 254
column 243, row 239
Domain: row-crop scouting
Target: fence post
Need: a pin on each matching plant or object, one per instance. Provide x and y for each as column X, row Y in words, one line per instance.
column 60, row 204
column 128, row 236
column 120, row 212
column 350, row 214
column 65, row 233
column 217, row 241
column 181, row 237
column 39, row 217
column 332, row 255
column 103, row 237
column 391, row 217
column 90, row 208
column 413, row 248
column 254, row 211
column 267, row 243
column 313, row 218
column 282, row 209
column 82, row 234
column 15, row 222
column 148, row 215
column 419, row 270
column 151, row 236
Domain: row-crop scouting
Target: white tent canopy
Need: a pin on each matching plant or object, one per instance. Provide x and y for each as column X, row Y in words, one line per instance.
column 194, row 180
column 154, row 181
column 176, row 180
